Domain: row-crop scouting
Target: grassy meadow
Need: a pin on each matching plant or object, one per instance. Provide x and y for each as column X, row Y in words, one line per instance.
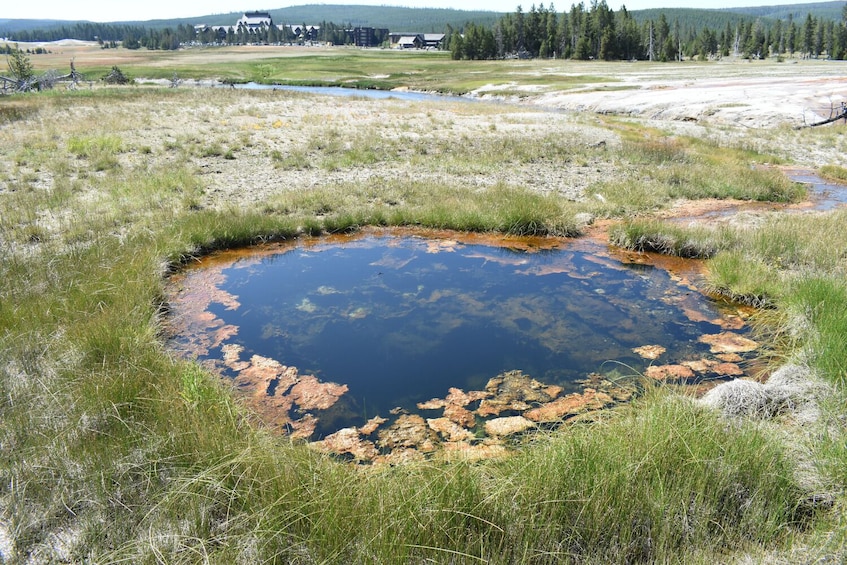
column 113, row 450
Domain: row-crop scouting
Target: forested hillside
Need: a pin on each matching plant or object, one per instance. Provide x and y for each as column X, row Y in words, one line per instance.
column 691, row 18
column 421, row 20
column 824, row 10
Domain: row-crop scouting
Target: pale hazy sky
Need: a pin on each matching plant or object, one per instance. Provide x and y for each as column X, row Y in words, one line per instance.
column 124, row 10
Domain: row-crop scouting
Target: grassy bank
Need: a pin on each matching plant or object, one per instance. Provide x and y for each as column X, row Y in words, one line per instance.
column 115, row 451
column 793, row 267
column 782, row 263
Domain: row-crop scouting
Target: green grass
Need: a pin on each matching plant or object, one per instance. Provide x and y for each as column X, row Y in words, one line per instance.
column 506, row 209
column 657, row 478
column 781, row 263
column 820, row 302
column 670, row 239
column 655, row 168
column 834, row 172
column 352, row 68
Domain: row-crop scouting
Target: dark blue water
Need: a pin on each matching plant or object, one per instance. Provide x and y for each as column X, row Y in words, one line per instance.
column 400, row 320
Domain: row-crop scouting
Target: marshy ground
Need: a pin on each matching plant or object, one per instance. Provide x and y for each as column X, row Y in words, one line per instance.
column 116, row 450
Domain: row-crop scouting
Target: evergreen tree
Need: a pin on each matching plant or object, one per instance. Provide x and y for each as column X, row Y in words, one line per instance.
column 818, row 38
column 808, row 35
column 533, row 31
column 563, row 35
column 20, row 67
column 777, row 39
column 602, row 31
column 457, row 48
column 551, row 32
column 629, row 40
column 791, row 39
column 755, row 43
column 520, row 30
column 577, row 17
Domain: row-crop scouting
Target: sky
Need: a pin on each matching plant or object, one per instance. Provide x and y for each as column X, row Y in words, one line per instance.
column 123, row 10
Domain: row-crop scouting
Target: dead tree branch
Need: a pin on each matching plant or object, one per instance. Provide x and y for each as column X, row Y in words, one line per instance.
column 45, row 81
column 834, row 116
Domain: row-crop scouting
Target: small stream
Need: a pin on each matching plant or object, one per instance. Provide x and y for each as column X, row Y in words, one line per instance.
column 374, row 94
column 824, row 194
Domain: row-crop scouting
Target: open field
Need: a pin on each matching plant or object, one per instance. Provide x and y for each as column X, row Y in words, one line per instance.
column 113, row 450
column 732, row 92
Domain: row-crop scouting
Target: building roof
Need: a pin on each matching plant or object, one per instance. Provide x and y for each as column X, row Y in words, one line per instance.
column 255, row 19
column 298, row 28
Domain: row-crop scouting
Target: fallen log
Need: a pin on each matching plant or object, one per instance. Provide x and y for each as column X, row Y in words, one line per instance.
column 841, row 116
column 834, row 117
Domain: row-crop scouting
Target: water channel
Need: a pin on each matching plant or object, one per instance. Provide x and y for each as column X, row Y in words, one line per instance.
column 371, row 93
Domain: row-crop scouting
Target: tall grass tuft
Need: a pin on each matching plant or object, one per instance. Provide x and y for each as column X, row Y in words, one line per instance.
column 739, row 181
column 657, row 479
column 647, row 485
column 820, row 304
column 835, row 172
column 655, row 150
column 502, row 208
column 100, row 150
column 669, row 239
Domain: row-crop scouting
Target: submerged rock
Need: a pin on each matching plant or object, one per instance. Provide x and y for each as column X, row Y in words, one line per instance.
column 459, row 397
column 727, row 370
column 728, row 342
column 570, row 405
column 508, row 425
column 700, row 365
column 232, row 357
column 454, row 405
column 304, row 427
column 348, row 440
column 514, row 391
column 206, row 330
column 410, row 431
column 449, row 430
column 267, row 377
column 372, row 425
column 460, row 415
column 730, row 357
column 665, row 372
column 312, row 394
column 649, row 351
column 434, row 404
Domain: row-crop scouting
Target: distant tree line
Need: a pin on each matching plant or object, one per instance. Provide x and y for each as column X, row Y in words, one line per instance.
column 168, row 38
column 84, row 31
column 600, row 33
column 8, row 49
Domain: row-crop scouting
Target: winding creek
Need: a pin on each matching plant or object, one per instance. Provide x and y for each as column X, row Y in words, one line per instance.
column 372, row 93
